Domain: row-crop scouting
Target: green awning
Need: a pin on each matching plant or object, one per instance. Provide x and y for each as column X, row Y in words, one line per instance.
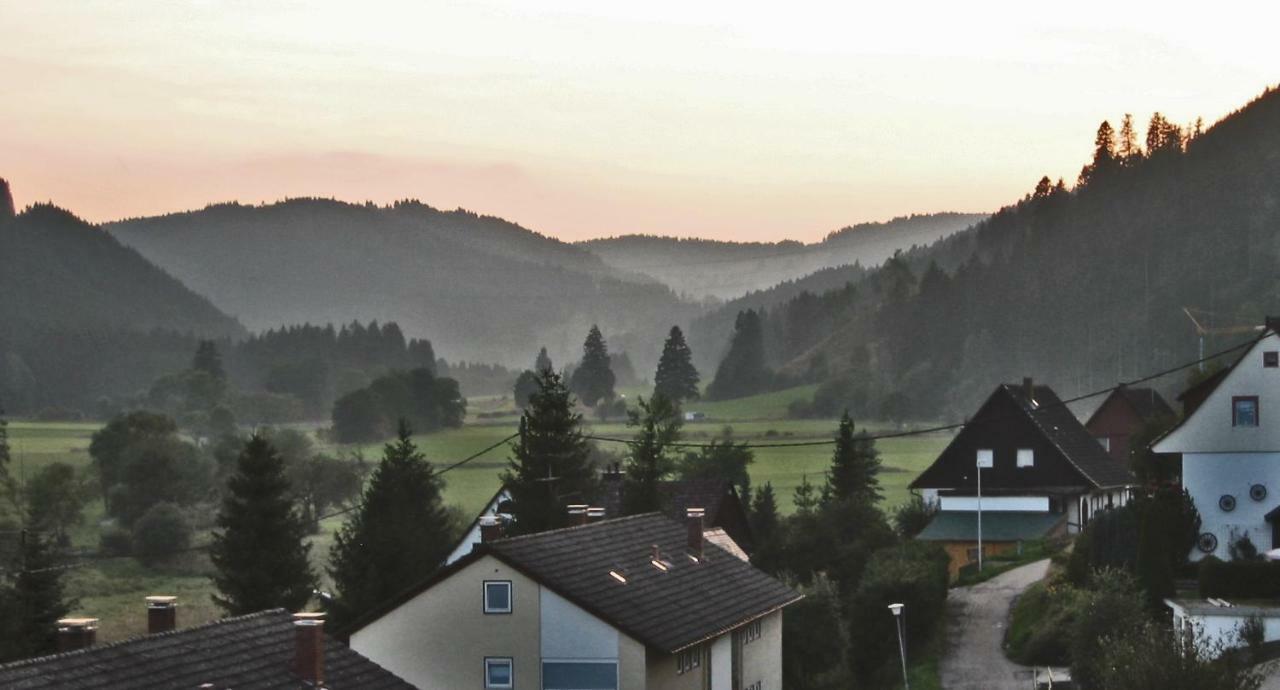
column 962, row 525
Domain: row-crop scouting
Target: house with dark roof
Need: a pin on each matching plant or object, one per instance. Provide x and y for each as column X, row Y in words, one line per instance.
column 637, row 602
column 1125, row 412
column 269, row 649
column 718, row 498
column 1042, row 474
column 1230, row 447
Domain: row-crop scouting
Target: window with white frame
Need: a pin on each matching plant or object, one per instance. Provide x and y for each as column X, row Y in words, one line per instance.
column 1026, row 457
column 497, row 596
column 1244, row 410
column 688, row 660
column 498, row 672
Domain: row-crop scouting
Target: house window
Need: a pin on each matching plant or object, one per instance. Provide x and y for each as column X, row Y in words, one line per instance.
column 1105, row 442
column 497, row 596
column 688, row 660
column 1244, row 410
column 986, row 458
column 498, row 672
column 580, row 673
column 1026, row 457
column 1271, row 359
column 751, row 632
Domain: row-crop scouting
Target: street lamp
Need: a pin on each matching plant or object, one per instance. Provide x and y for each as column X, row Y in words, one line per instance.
column 902, row 645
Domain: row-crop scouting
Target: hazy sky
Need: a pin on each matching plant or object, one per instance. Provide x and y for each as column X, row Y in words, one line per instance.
column 591, row 118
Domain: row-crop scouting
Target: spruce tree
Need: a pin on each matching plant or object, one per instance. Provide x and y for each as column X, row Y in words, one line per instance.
column 399, row 533
column 648, row 461
column 31, row 601
column 208, row 360
column 551, row 463
column 6, row 201
column 593, row 379
column 742, row 372
column 543, row 362
column 261, row 551
column 763, row 517
column 676, row 378
column 855, row 465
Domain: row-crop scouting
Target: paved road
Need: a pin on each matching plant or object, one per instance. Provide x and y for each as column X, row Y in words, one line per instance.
column 974, row 659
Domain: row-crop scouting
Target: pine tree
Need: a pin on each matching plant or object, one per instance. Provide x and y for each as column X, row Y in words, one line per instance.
column 551, row 465
column 743, row 371
column 543, row 362
column 855, row 465
column 261, row 551
column 648, row 462
column 8, row 487
column 806, row 496
column 593, row 379
column 764, row 513
column 677, row 379
column 208, row 360
column 1127, row 149
column 399, row 534
column 6, row 201
column 32, row 602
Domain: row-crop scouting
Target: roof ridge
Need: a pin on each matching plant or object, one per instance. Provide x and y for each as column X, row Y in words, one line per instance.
column 149, row 636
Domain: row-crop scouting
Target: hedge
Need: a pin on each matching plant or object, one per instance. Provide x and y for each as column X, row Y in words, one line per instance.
column 1239, row 579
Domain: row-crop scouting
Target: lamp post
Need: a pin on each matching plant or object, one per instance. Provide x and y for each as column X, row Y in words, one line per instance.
column 986, row 458
column 902, row 645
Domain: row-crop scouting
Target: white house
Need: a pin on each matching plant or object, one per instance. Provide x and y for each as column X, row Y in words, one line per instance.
column 1218, row 623
column 642, row 602
column 1230, row 448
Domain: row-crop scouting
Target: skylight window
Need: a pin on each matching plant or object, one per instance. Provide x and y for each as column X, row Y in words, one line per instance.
column 617, row 575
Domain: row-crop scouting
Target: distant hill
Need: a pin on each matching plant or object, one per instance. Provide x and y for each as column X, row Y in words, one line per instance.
column 1078, row 288
column 481, row 288
column 726, row 270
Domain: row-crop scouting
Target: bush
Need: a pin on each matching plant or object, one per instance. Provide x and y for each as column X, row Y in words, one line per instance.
column 1150, row 655
column 1239, row 579
column 913, row 574
column 910, row 518
column 1040, row 632
column 115, row 541
column 1114, row 609
column 161, row 532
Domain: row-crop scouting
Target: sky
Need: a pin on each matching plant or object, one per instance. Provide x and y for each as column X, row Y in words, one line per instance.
column 580, row 119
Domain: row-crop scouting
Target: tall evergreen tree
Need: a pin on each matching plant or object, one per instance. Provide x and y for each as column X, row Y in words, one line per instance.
column 399, row 534
column 743, row 370
column 32, row 601
column 543, row 362
column 209, row 360
column 648, row 461
column 551, row 462
column 855, row 465
column 6, row 201
column 8, row 488
column 1128, row 151
column 261, row 551
column 593, row 379
column 676, row 378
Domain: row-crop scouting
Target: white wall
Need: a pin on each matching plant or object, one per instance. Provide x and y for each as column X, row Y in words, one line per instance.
column 1208, row 476
column 722, row 663
column 1028, row 504
column 568, row 632
column 1224, row 629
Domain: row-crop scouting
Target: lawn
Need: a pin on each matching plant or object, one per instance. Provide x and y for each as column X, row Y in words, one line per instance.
column 113, row 589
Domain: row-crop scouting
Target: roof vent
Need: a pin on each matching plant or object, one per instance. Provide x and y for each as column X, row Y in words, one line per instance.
column 655, row 559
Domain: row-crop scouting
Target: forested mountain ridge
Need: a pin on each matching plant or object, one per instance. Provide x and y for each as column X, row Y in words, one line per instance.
column 1079, row 288
column 480, row 288
column 726, row 270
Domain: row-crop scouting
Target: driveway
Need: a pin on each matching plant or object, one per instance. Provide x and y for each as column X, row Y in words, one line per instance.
column 977, row 619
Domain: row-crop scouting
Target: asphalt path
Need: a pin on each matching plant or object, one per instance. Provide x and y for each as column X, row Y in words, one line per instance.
column 978, row 615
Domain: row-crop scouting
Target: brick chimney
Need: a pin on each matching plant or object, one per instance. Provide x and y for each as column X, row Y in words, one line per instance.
column 162, row 614
column 490, row 528
column 76, row 633
column 578, row 514
column 308, row 655
column 693, row 518
column 595, row 514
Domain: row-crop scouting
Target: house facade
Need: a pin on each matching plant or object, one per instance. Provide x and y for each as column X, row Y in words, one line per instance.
column 636, row 602
column 1217, row 623
column 1125, row 412
column 1042, row 474
column 1230, row 446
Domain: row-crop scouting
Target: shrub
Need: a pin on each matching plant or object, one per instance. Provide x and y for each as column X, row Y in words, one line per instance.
column 1239, row 579
column 1150, row 655
column 1114, row 608
column 910, row 518
column 161, row 532
column 1040, row 631
column 115, row 541
column 913, row 574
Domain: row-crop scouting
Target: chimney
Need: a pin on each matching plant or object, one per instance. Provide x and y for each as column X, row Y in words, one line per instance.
column 693, row 517
column 1272, row 323
column 308, row 655
column 76, row 633
column 595, row 514
column 162, row 614
column 490, row 528
column 578, row 514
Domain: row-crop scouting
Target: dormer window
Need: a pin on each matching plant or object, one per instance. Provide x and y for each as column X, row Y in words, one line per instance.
column 497, row 596
column 1244, row 410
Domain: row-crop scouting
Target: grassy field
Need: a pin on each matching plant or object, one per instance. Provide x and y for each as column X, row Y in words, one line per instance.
column 113, row 590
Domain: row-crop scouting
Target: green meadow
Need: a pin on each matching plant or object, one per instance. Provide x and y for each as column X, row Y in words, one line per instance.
column 113, row 589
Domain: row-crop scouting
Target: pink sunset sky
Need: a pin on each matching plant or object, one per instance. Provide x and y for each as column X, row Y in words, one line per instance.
column 586, row 119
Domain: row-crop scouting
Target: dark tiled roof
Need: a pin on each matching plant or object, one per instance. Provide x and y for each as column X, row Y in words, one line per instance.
column 1069, row 436
column 671, row 610
column 243, row 653
column 676, row 494
column 962, row 525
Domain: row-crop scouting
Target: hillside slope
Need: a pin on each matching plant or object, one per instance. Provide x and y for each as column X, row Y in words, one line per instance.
column 480, row 288
column 1077, row 288
column 726, row 270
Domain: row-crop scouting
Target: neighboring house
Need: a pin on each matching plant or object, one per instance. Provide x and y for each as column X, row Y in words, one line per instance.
column 717, row 497
column 1217, row 622
column 1043, row 474
column 1230, row 446
column 1124, row 413
column 641, row 602
column 270, row 649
